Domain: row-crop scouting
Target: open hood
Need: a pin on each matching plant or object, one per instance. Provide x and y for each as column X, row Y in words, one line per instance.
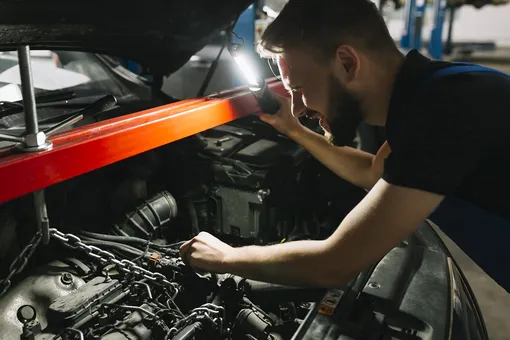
column 159, row 34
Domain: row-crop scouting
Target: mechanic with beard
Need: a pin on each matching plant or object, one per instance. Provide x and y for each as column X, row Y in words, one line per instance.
column 445, row 158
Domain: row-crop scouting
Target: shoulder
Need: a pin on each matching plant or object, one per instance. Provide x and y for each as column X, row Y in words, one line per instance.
column 463, row 89
column 437, row 139
column 454, row 105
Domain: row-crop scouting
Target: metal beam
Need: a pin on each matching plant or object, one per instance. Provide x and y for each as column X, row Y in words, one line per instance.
column 91, row 147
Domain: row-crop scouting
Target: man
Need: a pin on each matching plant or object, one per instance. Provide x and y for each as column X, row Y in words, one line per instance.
column 446, row 138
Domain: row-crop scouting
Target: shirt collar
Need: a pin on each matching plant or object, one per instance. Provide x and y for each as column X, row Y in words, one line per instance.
column 409, row 79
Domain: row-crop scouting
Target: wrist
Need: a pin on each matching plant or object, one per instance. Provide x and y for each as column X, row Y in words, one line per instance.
column 297, row 132
column 230, row 259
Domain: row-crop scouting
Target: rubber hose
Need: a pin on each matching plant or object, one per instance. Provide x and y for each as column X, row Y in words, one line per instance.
column 264, row 291
column 118, row 246
column 147, row 218
column 116, row 238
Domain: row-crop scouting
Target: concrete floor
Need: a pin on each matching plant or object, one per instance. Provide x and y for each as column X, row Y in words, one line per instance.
column 493, row 300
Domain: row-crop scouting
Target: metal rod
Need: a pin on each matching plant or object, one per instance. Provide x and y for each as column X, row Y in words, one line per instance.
column 63, row 124
column 27, row 89
column 409, row 18
column 10, row 138
column 43, row 223
column 449, row 44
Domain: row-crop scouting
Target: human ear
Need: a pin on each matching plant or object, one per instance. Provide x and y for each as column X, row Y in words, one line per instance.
column 346, row 63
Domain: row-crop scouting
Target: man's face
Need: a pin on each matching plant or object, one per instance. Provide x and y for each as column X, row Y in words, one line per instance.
column 317, row 93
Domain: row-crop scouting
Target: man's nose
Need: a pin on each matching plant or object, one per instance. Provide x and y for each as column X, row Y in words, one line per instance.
column 298, row 107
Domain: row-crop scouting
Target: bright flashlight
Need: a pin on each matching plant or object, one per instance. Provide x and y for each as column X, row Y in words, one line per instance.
column 256, row 84
column 248, row 70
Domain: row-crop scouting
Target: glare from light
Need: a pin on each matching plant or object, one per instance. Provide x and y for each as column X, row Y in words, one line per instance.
column 270, row 12
column 247, row 69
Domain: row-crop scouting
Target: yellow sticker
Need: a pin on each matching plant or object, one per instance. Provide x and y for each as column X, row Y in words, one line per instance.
column 326, row 310
column 330, row 301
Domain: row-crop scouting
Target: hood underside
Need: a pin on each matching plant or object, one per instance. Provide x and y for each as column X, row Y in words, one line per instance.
column 158, row 34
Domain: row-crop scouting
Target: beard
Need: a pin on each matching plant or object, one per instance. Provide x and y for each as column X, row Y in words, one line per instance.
column 344, row 114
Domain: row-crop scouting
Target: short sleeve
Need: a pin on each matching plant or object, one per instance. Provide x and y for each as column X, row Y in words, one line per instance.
column 435, row 150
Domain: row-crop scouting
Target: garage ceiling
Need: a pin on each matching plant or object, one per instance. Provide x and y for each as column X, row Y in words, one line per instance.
column 276, row 5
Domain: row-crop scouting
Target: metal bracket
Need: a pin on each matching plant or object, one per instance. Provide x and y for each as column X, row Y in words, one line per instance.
column 34, row 140
column 43, row 223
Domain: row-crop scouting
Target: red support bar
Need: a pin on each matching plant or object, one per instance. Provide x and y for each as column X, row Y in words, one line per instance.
column 90, row 147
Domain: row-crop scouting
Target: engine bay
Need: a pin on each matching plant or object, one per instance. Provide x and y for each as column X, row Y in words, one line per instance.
column 112, row 269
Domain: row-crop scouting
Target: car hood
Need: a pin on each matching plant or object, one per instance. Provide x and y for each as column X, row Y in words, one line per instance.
column 161, row 35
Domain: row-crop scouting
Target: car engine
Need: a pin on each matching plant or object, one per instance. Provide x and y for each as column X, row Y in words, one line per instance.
column 110, row 268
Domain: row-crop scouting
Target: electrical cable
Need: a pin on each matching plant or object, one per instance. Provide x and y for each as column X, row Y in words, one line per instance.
column 238, row 37
column 210, row 72
column 147, row 247
column 214, row 64
column 125, row 239
column 119, row 246
column 279, row 77
column 114, row 238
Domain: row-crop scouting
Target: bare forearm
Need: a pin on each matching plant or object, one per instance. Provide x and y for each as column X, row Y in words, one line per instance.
column 299, row 263
column 353, row 165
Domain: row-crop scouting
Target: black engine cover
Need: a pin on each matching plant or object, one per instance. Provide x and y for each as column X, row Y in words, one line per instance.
column 256, row 171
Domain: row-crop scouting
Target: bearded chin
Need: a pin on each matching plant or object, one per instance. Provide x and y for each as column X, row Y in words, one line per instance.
column 346, row 115
column 343, row 131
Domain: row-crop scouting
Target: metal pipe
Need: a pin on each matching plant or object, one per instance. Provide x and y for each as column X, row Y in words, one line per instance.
column 449, row 44
column 64, row 124
column 43, row 223
column 27, row 89
column 4, row 137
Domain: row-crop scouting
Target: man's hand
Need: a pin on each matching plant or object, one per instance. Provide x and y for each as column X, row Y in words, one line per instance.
column 283, row 120
column 206, row 252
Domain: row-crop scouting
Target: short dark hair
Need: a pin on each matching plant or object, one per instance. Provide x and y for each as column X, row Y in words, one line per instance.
column 323, row 25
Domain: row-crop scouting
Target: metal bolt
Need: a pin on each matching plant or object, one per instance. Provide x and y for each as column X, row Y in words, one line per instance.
column 103, row 319
column 374, row 285
column 66, row 279
column 262, row 194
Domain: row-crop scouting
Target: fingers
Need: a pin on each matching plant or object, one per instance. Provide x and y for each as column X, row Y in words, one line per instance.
column 284, row 106
column 186, row 250
column 285, row 102
column 281, row 99
column 267, row 118
column 185, row 246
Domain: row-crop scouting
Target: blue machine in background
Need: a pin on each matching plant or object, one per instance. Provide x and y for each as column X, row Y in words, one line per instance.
column 132, row 66
column 245, row 34
column 245, row 29
column 406, row 41
column 414, row 18
column 421, row 5
column 412, row 36
column 436, row 37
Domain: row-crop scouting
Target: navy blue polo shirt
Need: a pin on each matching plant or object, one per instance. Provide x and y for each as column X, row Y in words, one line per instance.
column 451, row 136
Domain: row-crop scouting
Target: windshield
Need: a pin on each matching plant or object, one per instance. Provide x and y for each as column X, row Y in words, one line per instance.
column 80, row 72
